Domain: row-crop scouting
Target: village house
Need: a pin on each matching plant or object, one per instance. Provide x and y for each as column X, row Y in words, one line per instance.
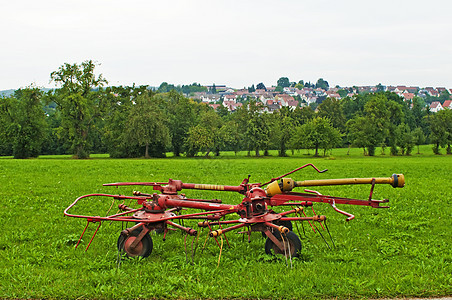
column 436, row 106
column 290, row 97
column 431, row 91
column 391, row 88
column 292, row 104
column 232, row 105
column 447, row 104
column 230, row 98
column 270, row 108
column 264, row 98
column 335, row 96
column 408, row 96
column 209, row 98
column 284, row 99
column 241, row 92
column 332, row 93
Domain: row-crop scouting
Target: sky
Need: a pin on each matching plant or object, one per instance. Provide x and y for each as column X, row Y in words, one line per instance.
column 233, row 43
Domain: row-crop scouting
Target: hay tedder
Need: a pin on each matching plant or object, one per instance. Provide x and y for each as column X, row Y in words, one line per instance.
column 166, row 209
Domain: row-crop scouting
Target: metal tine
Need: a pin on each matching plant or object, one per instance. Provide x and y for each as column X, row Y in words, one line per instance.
column 322, row 237
column 327, row 229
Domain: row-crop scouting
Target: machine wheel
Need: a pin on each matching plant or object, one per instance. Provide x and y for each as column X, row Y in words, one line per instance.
column 143, row 248
column 291, row 242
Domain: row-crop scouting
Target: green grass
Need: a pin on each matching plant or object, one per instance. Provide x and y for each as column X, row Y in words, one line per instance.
column 404, row 251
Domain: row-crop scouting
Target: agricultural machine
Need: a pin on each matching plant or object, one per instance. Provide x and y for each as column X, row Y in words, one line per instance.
column 166, row 209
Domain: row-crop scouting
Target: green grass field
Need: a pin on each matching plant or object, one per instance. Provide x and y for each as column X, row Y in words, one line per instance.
column 403, row 251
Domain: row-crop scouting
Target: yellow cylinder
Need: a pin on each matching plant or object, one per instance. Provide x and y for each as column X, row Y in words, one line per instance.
column 203, row 224
column 397, row 180
column 279, row 186
column 283, row 229
column 273, row 189
column 216, row 233
column 287, row 184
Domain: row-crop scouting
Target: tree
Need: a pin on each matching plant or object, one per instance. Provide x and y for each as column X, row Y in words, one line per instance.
column 206, row 136
column 419, row 113
column 181, row 117
column 331, row 108
column 22, row 123
column 380, row 87
column 353, row 106
column 254, row 125
column 279, row 89
column 377, row 116
column 77, row 102
column 281, row 129
column 261, row 86
column 165, row 87
column 7, row 110
column 213, row 90
column 441, row 130
column 343, row 93
column 418, row 137
column 300, row 139
column 198, row 140
column 323, row 84
column 232, row 136
column 283, row 82
column 357, row 131
column 251, row 89
column 119, row 101
column 319, row 134
column 396, row 118
column 147, row 126
column 302, row 115
column 29, row 123
column 444, row 96
column 78, row 78
column 299, row 86
column 404, row 139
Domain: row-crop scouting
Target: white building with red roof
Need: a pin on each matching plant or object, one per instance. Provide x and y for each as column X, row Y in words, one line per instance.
column 408, row 96
column 230, row 97
column 447, row 104
column 284, row 99
column 436, row 106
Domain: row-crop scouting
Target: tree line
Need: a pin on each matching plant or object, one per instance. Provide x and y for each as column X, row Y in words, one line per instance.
column 82, row 117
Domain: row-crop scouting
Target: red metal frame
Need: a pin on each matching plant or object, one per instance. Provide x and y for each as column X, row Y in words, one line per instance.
column 255, row 210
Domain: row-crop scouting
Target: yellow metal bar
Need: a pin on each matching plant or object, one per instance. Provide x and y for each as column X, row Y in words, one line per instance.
column 397, row 180
column 287, row 184
column 209, row 187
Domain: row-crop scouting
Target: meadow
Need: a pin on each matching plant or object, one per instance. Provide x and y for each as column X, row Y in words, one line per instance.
column 403, row 251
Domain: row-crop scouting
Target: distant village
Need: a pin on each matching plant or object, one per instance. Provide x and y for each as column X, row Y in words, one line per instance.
column 294, row 97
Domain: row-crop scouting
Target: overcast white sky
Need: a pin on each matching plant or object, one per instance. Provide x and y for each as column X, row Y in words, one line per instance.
column 236, row 43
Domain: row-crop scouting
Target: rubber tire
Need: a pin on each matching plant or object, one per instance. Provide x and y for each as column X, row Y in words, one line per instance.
column 290, row 237
column 146, row 244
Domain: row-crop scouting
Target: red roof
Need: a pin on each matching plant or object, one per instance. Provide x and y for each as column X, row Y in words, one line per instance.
column 408, row 96
column 293, row 103
column 285, row 97
column 435, row 104
column 334, row 95
column 448, row 104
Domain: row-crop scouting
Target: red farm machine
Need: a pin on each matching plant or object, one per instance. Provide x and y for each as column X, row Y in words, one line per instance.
column 164, row 210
